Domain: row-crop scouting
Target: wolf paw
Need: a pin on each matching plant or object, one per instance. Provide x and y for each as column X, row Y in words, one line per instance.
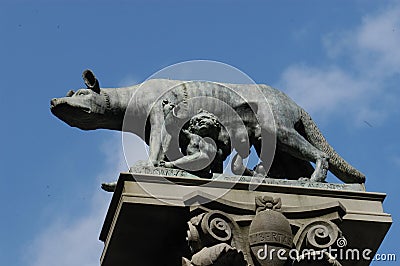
column 318, row 177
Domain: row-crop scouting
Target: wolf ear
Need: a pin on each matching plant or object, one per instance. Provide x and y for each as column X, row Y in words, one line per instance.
column 70, row 93
column 91, row 81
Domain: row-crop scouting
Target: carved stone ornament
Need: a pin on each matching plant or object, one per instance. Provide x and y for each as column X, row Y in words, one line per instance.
column 268, row 236
column 270, row 233
column 210, row 238
column 317, row 236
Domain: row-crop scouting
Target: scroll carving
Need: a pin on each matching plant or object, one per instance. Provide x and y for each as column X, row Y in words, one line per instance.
column 210, row 238
column 318, row 234
column 219, row 238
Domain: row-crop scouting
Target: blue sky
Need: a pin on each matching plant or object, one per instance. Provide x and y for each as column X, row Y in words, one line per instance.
column 338, row 59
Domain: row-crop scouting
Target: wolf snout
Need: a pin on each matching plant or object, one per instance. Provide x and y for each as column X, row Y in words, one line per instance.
column 53, row 102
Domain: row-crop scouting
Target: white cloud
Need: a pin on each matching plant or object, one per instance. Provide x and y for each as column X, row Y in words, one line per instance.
column 356, row 87
column 302, row 32
column 396, row 160
column 321, row 90
column 373, row 45
column 70, row 243
column 379, row 38
column 128, row 80
column 134, row 149
column 75, row 241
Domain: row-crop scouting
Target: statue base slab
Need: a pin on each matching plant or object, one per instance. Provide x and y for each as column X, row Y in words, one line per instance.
column 151, row 170
column 149, row 215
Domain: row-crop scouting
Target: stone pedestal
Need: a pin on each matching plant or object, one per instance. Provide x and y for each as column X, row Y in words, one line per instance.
column 149, row 216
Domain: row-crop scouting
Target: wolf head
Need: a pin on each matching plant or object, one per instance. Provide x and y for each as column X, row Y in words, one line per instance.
column 86, row 109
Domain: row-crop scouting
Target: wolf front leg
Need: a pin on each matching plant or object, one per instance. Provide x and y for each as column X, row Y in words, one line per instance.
column 156, row 152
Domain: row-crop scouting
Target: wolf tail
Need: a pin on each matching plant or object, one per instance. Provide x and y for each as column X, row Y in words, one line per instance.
column 337, row 165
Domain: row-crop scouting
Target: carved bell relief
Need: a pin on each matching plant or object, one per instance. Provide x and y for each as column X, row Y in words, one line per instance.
column 270, row 234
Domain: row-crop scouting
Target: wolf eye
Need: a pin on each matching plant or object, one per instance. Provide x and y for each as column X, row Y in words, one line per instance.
column 81, row 92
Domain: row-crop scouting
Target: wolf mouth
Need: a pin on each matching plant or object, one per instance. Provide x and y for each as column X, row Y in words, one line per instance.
column 76, row 116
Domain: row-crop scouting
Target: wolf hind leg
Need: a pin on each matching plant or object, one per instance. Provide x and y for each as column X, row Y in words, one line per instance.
column 238, row 168
column 296, row 145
